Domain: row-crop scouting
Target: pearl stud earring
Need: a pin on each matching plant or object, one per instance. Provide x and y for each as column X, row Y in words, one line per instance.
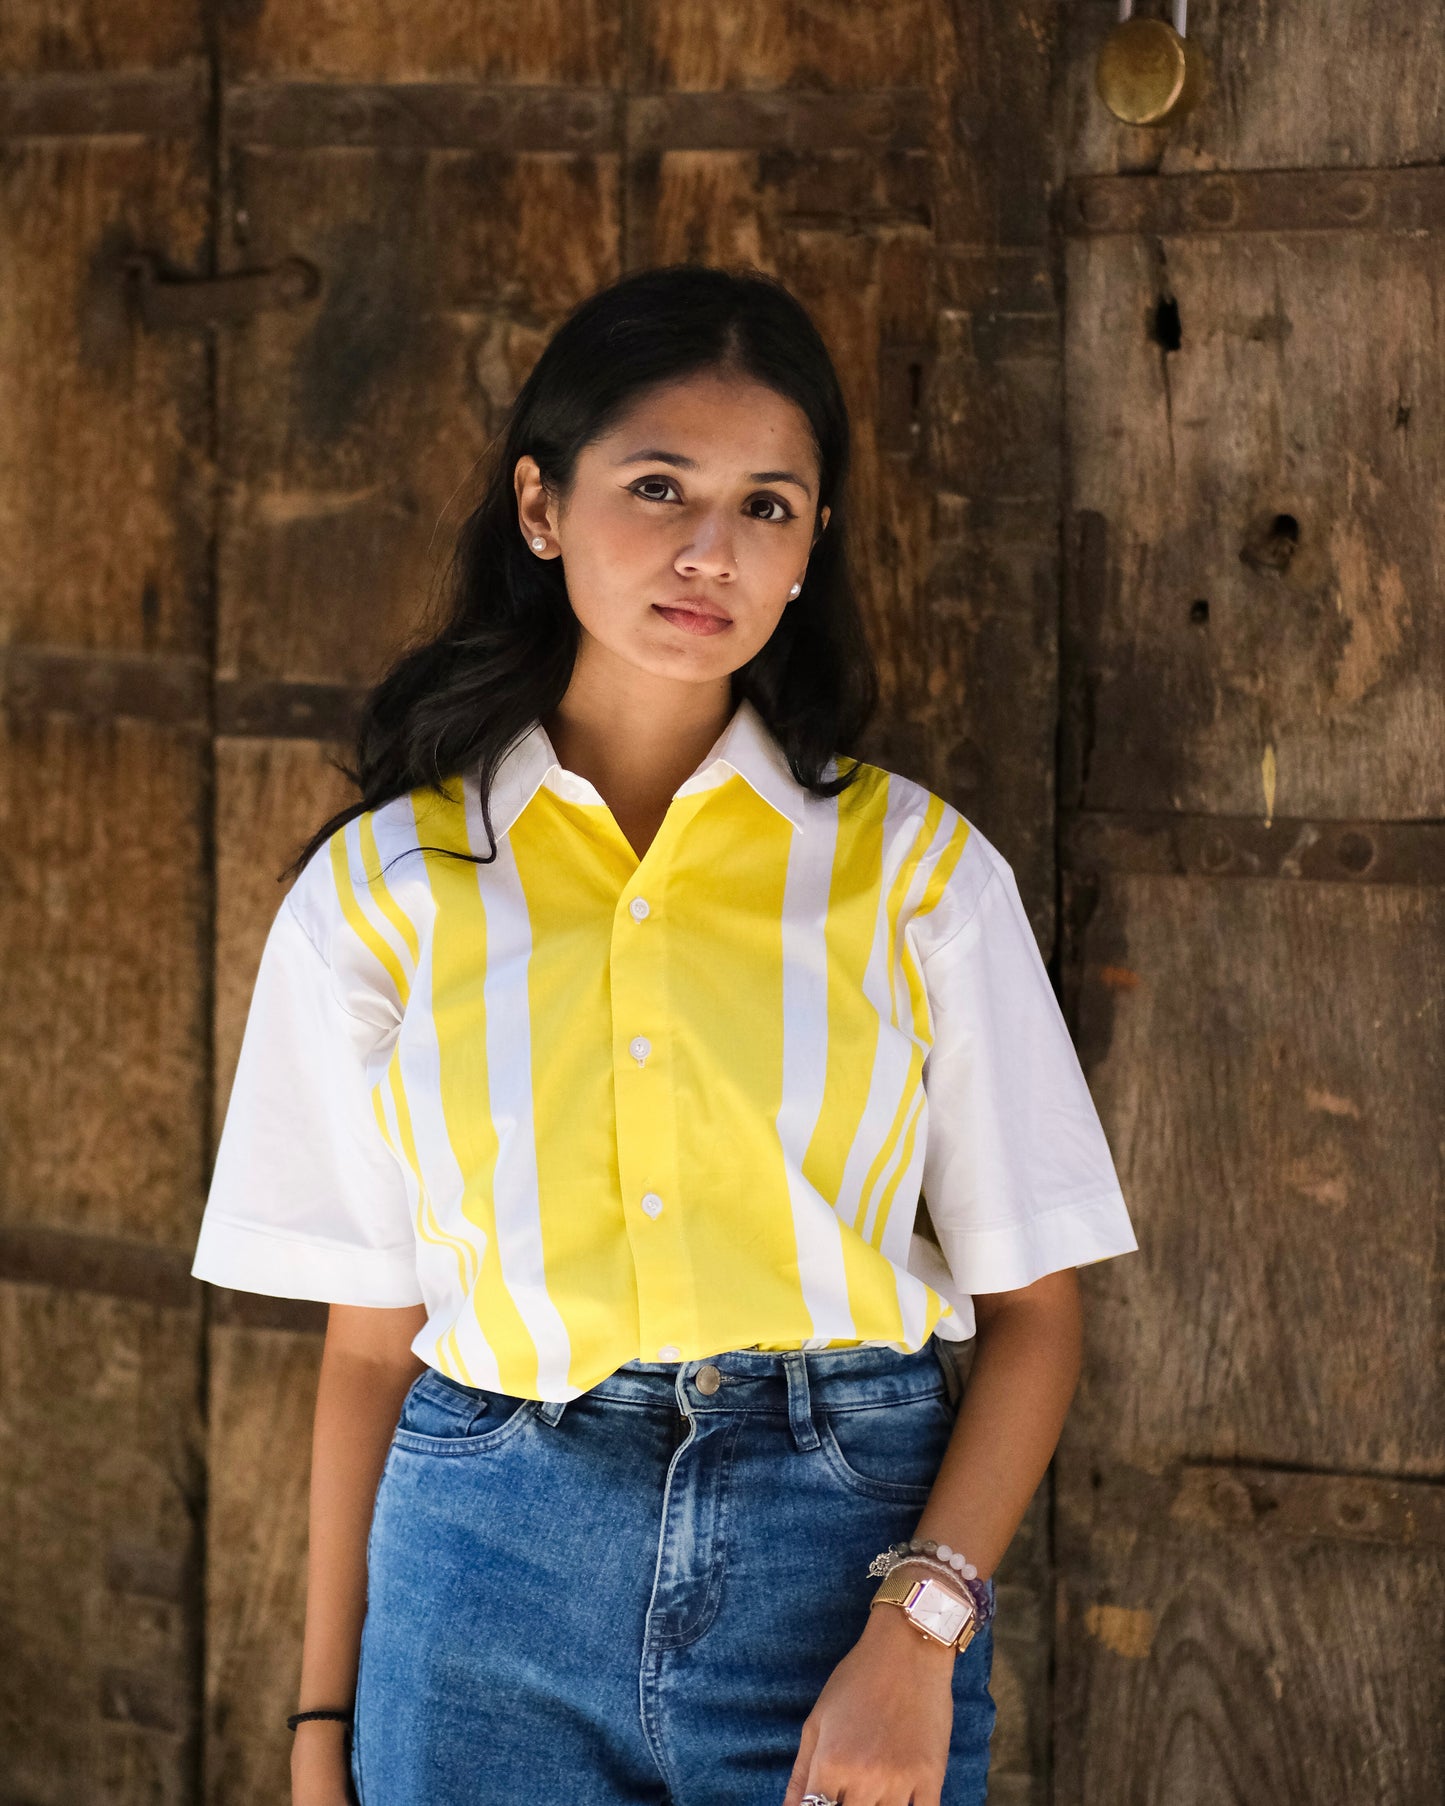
column 538, row 544
column 794, row 590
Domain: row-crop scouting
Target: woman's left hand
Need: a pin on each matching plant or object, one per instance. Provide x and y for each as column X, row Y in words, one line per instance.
column 879, row 1733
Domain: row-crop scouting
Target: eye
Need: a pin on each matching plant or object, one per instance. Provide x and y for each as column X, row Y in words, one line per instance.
column 775, row 501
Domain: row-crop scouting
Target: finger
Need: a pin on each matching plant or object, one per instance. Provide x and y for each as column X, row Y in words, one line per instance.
column 798, row 1779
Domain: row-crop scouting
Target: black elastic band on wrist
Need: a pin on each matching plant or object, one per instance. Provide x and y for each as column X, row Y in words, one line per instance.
column 341, row 1712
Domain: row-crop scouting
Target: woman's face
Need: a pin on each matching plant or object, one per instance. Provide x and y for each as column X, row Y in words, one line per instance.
column 701, row 502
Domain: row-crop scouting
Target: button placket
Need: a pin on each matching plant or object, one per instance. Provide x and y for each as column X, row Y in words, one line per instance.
column 645, row 1107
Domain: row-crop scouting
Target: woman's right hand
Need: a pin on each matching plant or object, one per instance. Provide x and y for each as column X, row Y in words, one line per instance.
column 320, row 1766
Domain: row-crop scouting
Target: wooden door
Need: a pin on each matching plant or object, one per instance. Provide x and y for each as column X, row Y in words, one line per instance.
column 271, row 275
column 1250, row 1520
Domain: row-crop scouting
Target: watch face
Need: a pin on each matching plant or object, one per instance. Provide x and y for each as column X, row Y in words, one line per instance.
column 938, row 1609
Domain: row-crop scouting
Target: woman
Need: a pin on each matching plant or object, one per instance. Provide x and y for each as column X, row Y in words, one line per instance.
column 596, row 1061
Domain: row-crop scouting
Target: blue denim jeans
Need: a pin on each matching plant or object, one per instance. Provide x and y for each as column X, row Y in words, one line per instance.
column 635, row 1597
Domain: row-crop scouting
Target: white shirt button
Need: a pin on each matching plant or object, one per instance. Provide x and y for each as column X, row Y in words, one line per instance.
column 639, row 1047
column 669, row 1352
column 638, row 908
column 651, row 1203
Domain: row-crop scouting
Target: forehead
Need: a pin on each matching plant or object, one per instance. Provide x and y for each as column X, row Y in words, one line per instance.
column 731, row 426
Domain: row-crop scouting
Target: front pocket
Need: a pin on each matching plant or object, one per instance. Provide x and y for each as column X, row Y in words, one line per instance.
column 890, row 1451
column 441, row 1417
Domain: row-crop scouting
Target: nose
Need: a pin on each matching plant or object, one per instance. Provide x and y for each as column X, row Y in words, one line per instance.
column 711, row 551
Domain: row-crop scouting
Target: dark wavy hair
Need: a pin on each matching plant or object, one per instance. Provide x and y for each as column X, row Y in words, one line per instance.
column 458, row 699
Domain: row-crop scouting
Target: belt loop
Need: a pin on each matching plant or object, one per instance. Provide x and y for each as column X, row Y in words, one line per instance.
column 800, row 1401
column 551, row 1409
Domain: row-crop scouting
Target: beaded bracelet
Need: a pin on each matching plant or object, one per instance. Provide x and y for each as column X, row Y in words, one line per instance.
column 925, row 1545
column 341, row 1712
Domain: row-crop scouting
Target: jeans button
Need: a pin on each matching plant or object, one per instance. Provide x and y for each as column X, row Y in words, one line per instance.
column 708, row 1378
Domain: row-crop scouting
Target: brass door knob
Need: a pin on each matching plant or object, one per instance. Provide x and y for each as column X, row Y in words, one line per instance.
column 1149, row 71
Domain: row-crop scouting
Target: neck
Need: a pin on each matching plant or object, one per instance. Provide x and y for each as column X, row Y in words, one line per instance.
column 635, row 736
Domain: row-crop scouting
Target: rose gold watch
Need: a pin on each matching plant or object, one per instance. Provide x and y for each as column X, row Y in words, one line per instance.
column 936, row 1610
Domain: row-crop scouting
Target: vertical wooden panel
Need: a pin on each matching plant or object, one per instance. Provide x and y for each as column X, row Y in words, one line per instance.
column 343, row 502
column 1266, row 503
column 1249, row 1489
column 104, row 596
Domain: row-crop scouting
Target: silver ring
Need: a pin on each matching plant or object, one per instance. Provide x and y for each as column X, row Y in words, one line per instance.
column 819, row 1799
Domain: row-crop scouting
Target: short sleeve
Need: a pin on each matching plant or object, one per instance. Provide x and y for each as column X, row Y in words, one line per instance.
column 306, row 1199
column 1018, row 1176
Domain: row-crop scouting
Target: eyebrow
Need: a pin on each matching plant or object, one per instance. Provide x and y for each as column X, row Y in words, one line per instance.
column 651, row 455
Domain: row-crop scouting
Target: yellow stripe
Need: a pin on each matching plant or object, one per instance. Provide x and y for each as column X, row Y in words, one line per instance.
column 573, row 862
column 885, row 1204
column 918, row 1000
column 943, row 870
column 853, row 1026
column 376, row 878
column 897, row 895
column 357, row 921
column 426, row 1223
column 423, row 1204
column 434, row 1231
column 898, row 892
column 726, row 878
column 459, row 967
column 854, row 1029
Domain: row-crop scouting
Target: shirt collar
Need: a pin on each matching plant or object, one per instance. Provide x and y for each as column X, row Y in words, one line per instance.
column 746, row 746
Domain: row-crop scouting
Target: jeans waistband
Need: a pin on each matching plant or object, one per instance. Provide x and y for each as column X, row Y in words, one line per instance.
column 791, row 1382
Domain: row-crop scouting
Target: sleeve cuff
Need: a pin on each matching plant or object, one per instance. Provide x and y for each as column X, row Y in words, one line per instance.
column 245, row 1259
column 1016, row 1254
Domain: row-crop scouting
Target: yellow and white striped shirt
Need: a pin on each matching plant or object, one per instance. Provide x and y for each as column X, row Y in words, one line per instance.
column 590, row 1109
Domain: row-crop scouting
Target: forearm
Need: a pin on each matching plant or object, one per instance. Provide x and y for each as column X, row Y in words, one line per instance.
column 366, row 1369
column 358, row 1400
column 1025, row 1370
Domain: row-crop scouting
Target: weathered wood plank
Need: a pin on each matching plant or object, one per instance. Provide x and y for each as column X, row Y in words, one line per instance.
column 684, row 46
column 1282, row 93
column 1201, row 1667
column 103, row 461
column 342, row 505
column 548, row 43
column 263, row 1397
column 119, row 39
column 101, row 1500
column 1268, row 1059
column 102, row 917
column 1251, row 618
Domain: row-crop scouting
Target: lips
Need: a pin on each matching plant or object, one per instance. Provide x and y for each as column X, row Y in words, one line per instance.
column 696, row 605
column 689, row 617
